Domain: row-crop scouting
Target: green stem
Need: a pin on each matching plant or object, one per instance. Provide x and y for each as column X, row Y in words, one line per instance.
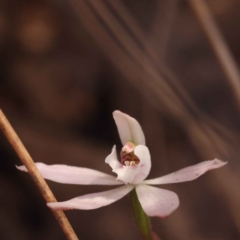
column 142, row 220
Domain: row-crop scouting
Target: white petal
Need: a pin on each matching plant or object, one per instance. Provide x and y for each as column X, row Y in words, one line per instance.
column 144, row 165
column 93, row 200
column 112, row 160
column 128, row 128
column 126, row 173
column 74, row 175
column 188, row 173
column 157, row 202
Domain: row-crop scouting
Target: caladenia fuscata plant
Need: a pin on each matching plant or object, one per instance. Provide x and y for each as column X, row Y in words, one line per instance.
column 132, row 170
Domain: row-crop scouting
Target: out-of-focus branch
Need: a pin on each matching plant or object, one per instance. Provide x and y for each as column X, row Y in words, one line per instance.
column 35, row 174
column 156, row 60
column 172, row 96
column 150, row 53
column 160, row 28
column 146, row 75
column 139, row 57
column 218, row 44
column 142, row 72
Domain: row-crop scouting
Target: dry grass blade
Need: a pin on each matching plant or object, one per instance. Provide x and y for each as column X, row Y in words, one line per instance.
column 139, row 57
column 35, row 174
column 218, row 44
column 161, row 26
column 143, row 73
column 152, row 52
column 173, row 96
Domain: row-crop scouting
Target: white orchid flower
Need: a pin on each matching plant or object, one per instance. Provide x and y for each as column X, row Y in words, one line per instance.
column 131, row 171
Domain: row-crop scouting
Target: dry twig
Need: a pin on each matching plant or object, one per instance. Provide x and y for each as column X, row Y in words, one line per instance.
column 35, row 174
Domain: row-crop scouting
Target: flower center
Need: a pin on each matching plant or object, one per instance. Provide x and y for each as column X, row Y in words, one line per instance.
column 128, row 158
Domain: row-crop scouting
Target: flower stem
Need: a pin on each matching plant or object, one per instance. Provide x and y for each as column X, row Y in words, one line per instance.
column 142, row 220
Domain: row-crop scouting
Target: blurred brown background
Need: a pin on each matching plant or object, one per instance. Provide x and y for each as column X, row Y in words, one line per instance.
column 67, row 64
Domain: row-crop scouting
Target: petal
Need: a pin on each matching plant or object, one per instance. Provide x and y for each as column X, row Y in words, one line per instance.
column 74, row 175
column 157, row 202
column 112, row 160
column 128, row 128
column 93, row 200
column 126, row 173
column 144, row 165
column 188, row 173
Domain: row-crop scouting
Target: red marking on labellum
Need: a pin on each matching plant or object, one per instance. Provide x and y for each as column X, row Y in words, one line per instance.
column 129, row 159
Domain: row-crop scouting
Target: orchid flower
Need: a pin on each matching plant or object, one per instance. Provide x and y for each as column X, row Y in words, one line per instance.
column 131, row 170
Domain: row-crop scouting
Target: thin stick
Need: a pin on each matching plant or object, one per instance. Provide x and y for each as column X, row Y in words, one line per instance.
column 35, row 174
column 218, row 44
